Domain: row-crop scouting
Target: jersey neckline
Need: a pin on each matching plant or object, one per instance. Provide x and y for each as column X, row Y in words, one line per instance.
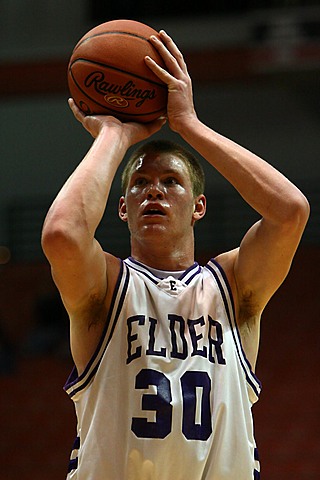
column 162, row 274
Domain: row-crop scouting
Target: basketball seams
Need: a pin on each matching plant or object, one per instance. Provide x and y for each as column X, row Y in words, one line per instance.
column 79, row 59
column 115, row 32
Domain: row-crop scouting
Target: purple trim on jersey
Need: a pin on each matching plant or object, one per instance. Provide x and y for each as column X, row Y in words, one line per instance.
column 256, row 473
column 154, row 278
column 235, row 321
column 73, row 464
column 195, row 267
column 256, row 455
column 74, row 378
column 223, row 273
column 76, row 444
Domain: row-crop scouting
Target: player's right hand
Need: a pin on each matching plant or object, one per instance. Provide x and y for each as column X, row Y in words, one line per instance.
column 134, row 132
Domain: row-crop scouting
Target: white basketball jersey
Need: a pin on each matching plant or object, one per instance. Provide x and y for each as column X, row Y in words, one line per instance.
column 169, row 391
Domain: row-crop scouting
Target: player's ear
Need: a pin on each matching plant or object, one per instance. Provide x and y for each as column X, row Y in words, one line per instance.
column 200, row 205
column 122, row 210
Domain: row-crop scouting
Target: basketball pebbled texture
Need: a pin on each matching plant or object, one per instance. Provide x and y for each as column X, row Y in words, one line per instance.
column 107, row 73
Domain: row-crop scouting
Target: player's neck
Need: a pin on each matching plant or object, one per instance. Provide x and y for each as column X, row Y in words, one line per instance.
column 165, row 257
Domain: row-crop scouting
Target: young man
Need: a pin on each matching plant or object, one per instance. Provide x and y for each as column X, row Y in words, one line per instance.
column 164, row 349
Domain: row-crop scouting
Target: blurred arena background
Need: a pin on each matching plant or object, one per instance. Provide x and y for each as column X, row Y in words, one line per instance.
column 255, row 66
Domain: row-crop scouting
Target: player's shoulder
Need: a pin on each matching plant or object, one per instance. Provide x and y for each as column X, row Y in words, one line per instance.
column 227, row 260
column 113, row 268
column 112, row 262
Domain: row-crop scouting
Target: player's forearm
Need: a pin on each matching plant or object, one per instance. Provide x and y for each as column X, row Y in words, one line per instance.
column 264, row 188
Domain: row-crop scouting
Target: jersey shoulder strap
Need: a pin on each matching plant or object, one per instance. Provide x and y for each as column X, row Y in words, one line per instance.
column 75, row 383
column 220, row 277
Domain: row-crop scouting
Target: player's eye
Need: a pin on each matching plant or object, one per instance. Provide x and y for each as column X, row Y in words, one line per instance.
column 171, row 181
column 140, row 181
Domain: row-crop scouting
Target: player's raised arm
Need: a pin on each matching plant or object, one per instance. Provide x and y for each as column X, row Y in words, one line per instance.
column 265, row 254
column 80, row 268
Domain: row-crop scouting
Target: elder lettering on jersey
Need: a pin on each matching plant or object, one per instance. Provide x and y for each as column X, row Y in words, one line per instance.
column 199, row 337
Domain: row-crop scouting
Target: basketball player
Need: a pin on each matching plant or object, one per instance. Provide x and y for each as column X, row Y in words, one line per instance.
column 165, row 349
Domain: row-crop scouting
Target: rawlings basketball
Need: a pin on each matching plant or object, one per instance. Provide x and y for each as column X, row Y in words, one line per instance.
column 107, row 73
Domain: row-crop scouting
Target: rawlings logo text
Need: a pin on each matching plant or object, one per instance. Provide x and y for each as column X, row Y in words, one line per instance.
column 128, row 90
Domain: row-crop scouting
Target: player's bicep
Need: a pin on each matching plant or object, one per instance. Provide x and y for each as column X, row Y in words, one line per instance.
column 263, row 261
column 80, row 276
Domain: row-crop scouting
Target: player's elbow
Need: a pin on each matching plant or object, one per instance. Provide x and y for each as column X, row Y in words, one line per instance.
column 297, row 213
column 58, row 239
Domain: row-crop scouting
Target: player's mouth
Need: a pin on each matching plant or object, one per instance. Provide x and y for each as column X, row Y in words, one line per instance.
column 153, row 210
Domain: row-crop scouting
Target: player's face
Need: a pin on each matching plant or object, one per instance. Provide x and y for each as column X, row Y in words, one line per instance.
column 159, row 198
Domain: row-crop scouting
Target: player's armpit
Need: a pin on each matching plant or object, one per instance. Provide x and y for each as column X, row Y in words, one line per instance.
column 264, row 260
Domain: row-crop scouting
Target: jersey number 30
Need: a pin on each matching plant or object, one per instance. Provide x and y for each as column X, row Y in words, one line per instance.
column 196, row 416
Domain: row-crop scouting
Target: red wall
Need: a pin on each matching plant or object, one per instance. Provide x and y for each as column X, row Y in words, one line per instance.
column 288, row 412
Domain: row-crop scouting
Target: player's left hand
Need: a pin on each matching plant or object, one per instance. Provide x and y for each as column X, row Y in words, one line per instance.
column 180, row 107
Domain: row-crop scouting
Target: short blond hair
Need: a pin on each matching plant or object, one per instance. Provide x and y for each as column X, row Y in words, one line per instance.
column 194, row 167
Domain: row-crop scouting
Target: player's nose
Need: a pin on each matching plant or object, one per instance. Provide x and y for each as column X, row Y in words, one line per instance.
column 155, row 191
